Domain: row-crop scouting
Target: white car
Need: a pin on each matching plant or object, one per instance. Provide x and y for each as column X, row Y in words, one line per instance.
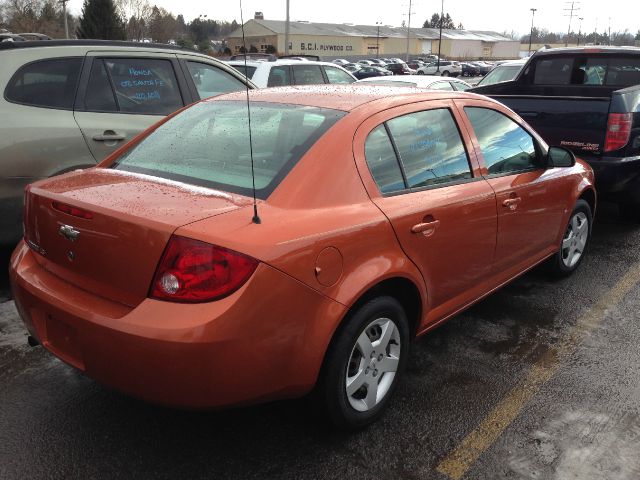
column 292, row 72
column 419, row 81
column 446, row 69
column 503, row 73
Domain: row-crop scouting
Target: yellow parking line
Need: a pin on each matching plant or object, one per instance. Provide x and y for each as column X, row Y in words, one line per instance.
column 458, row 462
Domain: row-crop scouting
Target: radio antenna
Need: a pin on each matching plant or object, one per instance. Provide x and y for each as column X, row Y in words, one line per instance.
column 256, row 218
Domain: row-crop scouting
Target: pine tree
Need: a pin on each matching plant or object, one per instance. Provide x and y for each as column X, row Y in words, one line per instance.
column 100, row 21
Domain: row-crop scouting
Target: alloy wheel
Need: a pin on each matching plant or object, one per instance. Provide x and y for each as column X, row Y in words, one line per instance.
column 575, row 239
column 373, row 364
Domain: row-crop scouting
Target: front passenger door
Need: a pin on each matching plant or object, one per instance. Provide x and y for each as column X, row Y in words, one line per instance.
column 526, row 193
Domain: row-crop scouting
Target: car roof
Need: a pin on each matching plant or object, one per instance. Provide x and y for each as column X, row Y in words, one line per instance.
column 419, row 80
column 587, row 49
column 94, row 43
column 340, row 96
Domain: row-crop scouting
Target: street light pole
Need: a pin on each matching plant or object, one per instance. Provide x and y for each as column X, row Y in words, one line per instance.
column 440, row 38
column 533, row 13
column 378, row 39
column 66, row 23
column 286, row 32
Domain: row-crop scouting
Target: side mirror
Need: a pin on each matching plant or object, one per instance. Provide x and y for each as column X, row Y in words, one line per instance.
column 560, row 157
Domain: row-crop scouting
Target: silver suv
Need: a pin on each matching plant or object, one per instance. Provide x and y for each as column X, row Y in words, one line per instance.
column 69, row 104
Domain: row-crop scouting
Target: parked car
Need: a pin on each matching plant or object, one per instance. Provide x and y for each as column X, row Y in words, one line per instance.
column 587, row 99
column 400, row 68
column 469, row 69
column 11, row 37
column 415, row 64
column 483, row 67
column 502, row 73
column 340, row 61
column 70, row 104
column 419, row 81
column 379, row 215
column 35, row 36
column 446, row 68
column 367, row 72
column 293, row 72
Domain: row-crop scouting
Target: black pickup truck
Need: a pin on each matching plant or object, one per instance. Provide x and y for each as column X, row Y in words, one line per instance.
column 588, row 100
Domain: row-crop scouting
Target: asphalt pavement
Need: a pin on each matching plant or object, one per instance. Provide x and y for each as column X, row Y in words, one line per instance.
column 540, row 380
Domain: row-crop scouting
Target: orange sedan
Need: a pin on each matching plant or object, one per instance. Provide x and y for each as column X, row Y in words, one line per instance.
column 380, row 212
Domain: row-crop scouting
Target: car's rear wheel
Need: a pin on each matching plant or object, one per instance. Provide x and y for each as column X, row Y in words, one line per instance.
column 420, row 72
column 364, row 362
column 445, row 73
column 574, row 242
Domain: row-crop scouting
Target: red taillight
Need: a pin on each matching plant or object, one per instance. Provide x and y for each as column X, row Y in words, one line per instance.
column 618, row 131
column 74, row 211
column 193, row 271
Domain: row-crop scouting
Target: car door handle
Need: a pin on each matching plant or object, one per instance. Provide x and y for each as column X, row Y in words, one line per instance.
column 426, row 228
column 511, row 203
column 108, row 136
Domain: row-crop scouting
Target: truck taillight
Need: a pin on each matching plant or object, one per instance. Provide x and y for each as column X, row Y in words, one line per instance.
column 192, row 271
column 618, row 131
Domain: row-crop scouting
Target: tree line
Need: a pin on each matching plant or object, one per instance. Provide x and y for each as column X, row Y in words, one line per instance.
column 135, row 20
column 544, row 36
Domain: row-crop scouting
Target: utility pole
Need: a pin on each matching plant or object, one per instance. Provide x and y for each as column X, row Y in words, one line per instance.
column 609, row 31
column 580, row 29
column 378, row 39
column 573, row 10
column 286, row 32
column 533, row 13
column 408, row 31
column 64, row 13
column 440, row 40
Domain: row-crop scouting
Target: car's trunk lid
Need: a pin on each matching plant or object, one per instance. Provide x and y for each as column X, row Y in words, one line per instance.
column 114, row 253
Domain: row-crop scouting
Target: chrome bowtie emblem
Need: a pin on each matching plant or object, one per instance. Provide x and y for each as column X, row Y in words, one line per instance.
column 68, row 232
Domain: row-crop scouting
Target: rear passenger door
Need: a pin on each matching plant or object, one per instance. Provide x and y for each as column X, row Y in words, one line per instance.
column 422, row 175
column 122, row 94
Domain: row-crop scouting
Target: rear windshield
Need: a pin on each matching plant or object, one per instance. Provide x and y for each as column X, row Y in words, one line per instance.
column 502, row 73
column 208, row 145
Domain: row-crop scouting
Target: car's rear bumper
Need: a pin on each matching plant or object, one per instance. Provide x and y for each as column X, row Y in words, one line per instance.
column 265, row 341
column 617, row 179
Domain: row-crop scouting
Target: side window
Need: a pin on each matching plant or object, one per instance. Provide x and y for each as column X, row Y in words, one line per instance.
column 553, row 71
column 211, row 81
column 335, row 75
column 144, row 85
column 48, row 83
column 279, row 76
column 623, row 71
column 382, row 161
column 307, row 74
column 99, row 96
column 430, row 147
column 505, row 145
column 441, row 86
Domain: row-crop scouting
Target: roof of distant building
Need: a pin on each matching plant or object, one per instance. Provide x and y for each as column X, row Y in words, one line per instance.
column 351, row 30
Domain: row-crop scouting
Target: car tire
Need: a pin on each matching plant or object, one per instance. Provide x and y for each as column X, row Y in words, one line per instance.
column 630, row 212
column 445, row 73
column 574, row 241
column 420, row 72
column 366, row 349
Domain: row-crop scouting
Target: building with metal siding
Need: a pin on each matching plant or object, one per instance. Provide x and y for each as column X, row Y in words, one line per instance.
column 329, row 40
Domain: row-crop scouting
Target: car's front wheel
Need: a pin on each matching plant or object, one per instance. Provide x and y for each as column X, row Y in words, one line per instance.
column 364, row 362
column 574, row 241
column 445, row 73
column 420, row 72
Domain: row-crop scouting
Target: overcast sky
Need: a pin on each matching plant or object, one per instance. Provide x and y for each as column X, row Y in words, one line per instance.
column 498, row 16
